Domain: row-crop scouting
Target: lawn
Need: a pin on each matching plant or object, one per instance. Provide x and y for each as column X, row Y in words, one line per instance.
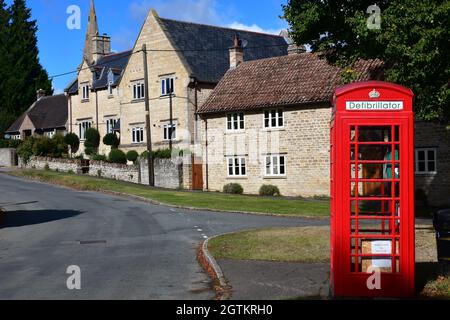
column 201, row 200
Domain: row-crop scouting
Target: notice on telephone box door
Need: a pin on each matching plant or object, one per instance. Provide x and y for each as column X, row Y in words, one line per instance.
column 377, row 247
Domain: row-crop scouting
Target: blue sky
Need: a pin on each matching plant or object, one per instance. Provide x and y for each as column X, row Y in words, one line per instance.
column 61, row 48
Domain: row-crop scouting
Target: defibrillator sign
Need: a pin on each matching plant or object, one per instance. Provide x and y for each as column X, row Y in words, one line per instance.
column 374, row 105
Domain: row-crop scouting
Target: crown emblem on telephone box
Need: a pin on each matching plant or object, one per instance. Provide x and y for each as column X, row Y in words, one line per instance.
column 374, row 94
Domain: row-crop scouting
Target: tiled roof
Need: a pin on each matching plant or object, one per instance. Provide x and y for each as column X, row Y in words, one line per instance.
column 47, row 113
column 115, row 62
column 282, row 81
column 205, row 48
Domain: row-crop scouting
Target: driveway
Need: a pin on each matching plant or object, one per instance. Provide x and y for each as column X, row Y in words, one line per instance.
column 125, row 249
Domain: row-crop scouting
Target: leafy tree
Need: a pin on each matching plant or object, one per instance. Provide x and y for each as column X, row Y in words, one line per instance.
column 21, row 72
column 92, row 141
column 413, row 41
column 111, row 140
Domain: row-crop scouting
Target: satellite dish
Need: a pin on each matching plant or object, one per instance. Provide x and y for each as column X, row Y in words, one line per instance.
column 7, row 136
column 244, row 43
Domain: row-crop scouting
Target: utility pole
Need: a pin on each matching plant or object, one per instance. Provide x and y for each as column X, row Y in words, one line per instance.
column 151, row 174
column 171, row 115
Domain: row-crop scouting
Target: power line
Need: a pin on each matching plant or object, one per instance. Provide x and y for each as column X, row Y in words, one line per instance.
column 162, row 50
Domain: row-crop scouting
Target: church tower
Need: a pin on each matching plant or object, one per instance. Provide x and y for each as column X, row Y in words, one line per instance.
column 92, row 32
column 96, row 45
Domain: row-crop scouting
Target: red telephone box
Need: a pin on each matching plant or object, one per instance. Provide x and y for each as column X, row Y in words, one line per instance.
column 372, row 190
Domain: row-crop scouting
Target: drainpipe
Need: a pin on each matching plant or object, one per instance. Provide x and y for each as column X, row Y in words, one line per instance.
column 196, row 115
column 96, row 108
column 70, row 112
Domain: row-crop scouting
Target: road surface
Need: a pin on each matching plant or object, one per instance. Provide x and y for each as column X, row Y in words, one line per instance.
column 125, row 249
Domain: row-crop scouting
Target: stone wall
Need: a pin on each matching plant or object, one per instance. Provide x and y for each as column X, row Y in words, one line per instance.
column 114, row 171
column 435, row 185
column 8, row 157
column 42, row 163
column 169, row 173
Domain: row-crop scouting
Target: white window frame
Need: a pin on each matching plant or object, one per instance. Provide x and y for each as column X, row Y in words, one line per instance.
column 166, row 132
column 279, row 116
column 238, row 166
column 85, row 88
column 164, row 88
column 137, row 135
column 426, row 161
column 272, row 165
column 50, row 134
column 110, row 124
column 235, row 122
column 138, row 88
column 83, row 126
column 16, row 137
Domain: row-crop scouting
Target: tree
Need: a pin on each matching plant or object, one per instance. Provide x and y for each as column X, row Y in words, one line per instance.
column 111, row 140
column 92, row 141
column 22, row 73
column 413, row 41
column 73, row 141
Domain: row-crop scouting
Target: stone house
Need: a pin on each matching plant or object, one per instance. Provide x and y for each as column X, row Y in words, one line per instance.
column 185, row 61
column 47, row 116
column 93, row 98
column 268, row 122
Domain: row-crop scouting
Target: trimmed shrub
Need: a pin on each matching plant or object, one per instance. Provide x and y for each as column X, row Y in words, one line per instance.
column 132, row 156
column 269, row 190
column 117, row 156
column 25, row 151
column 100, row 157
column 73, row 141
column 92, row 141
column 61, row 147
column 43, row 147
column 111, row 140
column 233, row 188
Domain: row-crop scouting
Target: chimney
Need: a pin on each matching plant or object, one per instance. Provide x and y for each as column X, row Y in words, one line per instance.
column 292, row 47
column 236, row 53
column 40, row 94
column 101, row 46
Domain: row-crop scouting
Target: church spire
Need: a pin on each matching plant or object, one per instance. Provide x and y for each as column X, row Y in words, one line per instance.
column 92, row 31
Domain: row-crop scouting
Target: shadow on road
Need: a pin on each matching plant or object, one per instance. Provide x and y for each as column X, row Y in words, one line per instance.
column 21, row 218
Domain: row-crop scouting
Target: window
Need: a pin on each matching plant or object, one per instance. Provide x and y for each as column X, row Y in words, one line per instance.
column 170, row 132
column 137, row 135
column 273, row 119
column 82, row 127
column 110, row 124
column 110, row 88
column 138, row 90
column 50, row 134
column 85, row 91
column 425, row 160
column 235, row 121
column 236, row 167
column 275, row 165
column 167, row 86
column 15, row 137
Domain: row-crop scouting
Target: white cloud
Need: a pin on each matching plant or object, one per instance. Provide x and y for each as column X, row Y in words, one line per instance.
column 253, row 27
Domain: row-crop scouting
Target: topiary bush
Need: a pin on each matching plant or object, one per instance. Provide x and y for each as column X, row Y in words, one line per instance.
column 233, row 188
column 92, row 141
column 132, row 156
column 111, row 140
column 269, row 190
column 117, row 156
column 73, row 141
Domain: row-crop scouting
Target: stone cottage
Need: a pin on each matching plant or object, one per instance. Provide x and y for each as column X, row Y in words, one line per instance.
column 47, row 116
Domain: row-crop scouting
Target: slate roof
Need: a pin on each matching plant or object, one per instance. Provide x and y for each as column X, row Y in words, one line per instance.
column 47, row 113
column 282, row 81
column 194, row 40
column 114, row 62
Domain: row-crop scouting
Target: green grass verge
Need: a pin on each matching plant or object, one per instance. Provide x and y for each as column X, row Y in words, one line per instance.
column 201, row 200
column 302, row 244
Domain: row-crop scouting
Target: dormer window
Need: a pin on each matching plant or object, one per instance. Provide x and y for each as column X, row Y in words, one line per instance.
column 85, row 91
column 110, row 88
